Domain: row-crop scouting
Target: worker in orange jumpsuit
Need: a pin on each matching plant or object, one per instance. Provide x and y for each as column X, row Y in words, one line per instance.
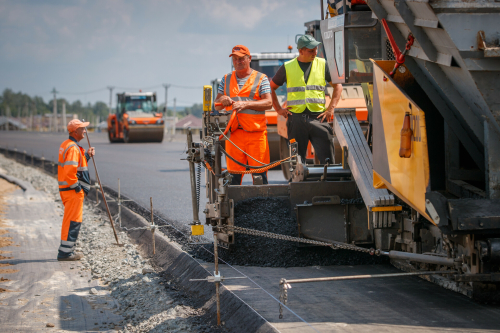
column 74, row 183
column 248, row 93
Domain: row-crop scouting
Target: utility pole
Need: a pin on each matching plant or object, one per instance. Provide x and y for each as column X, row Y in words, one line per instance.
column 30, row 117
column 64, row 116
column 110, row 97
column 54, row 113
column 166, row 86
column 7, row 111
column 175, row 111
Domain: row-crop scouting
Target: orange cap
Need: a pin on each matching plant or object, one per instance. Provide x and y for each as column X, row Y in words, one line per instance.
column 240, row 51
column 76, row 123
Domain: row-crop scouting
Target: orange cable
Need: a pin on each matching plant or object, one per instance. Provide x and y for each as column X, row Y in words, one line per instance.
column 246, row 172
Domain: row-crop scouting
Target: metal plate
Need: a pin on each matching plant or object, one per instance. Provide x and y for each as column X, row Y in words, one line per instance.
column 322, row 222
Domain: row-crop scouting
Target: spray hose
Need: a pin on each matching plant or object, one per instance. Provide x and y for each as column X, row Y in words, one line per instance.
column 229, row 124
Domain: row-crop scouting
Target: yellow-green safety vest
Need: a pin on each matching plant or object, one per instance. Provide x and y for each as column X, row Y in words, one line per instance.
column 301, row 95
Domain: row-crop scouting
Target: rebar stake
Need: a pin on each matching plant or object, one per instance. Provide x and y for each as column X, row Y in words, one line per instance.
column 153, row 227
column 216, row 264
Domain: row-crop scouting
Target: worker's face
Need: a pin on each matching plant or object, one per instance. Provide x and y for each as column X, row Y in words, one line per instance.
column 308, row 54
column 79, row 133
column 241, row 63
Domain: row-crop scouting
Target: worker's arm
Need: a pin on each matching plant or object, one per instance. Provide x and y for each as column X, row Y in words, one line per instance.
column 225, row 100
column 264, row 104
column 337, row 92
column 70, row 168
column 276, row 104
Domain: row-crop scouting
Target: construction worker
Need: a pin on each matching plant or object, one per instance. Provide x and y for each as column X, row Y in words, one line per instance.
column 306, row 111
column 74, row 182
column 246, row 92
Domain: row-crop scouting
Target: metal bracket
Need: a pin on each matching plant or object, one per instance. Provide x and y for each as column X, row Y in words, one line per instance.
column 432, row 211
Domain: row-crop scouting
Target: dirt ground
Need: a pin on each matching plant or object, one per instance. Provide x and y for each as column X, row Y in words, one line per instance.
column 5, row 189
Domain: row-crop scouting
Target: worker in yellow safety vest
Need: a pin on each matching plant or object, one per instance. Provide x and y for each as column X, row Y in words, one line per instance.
column 74, row 183
column 306, row 112
column 246, row 92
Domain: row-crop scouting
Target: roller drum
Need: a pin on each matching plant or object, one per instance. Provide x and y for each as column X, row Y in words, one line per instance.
column 145, row 134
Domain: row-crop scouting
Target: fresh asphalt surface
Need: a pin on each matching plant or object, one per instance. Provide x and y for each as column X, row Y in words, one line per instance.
column 378, row 305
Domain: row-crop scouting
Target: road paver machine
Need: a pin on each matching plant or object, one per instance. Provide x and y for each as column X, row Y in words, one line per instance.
column 422, row 183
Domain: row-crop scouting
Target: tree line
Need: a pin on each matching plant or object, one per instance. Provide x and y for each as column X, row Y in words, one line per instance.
column 23, row 105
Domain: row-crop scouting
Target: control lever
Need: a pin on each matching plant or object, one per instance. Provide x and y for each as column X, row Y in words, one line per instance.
column 325, row 169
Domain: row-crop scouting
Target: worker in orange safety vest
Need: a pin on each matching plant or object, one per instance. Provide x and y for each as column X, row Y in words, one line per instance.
column 74, row 183
column 248, row 93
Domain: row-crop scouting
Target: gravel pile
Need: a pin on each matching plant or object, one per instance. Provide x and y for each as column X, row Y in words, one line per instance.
column 148, row 301
column 273, row 215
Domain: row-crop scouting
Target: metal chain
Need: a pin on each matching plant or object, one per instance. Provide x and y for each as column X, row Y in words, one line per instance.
column 334, row 245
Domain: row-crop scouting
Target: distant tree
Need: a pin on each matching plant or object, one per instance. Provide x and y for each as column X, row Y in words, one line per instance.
column 196, row 110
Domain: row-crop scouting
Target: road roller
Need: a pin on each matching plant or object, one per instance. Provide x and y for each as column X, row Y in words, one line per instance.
column 136, row 119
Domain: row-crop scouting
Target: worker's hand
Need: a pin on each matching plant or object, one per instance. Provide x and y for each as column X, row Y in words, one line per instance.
column 238, row 106
column 326, row 116
column 283, row 112
column 78, row 188
column 91, row 151
column 225, row 100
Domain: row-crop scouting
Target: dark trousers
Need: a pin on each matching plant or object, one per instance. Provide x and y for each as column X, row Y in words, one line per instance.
column 306, row 127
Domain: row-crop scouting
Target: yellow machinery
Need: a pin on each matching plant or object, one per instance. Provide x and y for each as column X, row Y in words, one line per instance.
column 422, row 183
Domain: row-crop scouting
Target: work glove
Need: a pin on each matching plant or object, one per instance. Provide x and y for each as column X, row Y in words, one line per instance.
column 78, row 188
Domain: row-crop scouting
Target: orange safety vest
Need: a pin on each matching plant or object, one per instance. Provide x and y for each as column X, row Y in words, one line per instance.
column 72, row 169
column 247, row 119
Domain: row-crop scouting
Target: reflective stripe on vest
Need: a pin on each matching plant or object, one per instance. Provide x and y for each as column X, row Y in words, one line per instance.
column 301, row 95
column 247, row 119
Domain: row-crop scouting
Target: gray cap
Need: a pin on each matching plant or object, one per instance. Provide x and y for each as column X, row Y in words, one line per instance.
column 307, row 41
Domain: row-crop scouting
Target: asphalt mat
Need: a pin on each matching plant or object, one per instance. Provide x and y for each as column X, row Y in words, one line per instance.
column 273, row 215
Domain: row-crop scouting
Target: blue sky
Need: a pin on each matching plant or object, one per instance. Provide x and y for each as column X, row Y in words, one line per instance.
column 86, row 45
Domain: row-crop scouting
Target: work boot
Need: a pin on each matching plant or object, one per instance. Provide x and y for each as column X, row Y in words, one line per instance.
column 72, row 257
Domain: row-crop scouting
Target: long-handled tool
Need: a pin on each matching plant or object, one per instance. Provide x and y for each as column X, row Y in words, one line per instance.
column 102, row 192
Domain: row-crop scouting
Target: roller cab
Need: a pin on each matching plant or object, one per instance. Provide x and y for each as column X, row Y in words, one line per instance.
column 136, row 119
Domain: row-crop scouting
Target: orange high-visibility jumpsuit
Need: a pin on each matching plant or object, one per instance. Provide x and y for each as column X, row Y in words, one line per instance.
column 73, row 176
column 249, row 130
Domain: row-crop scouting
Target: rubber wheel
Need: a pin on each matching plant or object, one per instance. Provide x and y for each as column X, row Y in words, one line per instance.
column 284, row 153
column 126, row 137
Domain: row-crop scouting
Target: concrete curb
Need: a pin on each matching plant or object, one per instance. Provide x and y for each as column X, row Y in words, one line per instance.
column 28, row 189
column 180, row 266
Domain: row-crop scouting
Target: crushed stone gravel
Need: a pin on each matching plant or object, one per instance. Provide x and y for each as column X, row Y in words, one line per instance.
column 148, row 301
